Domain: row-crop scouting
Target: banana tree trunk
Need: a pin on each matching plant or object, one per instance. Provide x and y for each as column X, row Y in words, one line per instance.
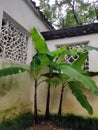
column 47, row 112
column 35, row 104
column 47, row 115
column 60, row 103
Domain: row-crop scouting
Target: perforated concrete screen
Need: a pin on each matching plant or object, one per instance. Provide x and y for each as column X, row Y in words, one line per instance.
column 71, row 59
column 13, row 41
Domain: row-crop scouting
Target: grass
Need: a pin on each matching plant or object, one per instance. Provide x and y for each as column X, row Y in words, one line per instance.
column 20, row 123
column 75, row 122
column 71, row 122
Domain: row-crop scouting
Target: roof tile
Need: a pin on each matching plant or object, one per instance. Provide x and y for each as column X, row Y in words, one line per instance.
column 71, row 32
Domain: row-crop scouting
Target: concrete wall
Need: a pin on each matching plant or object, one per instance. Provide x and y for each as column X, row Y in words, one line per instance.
column 15, row 92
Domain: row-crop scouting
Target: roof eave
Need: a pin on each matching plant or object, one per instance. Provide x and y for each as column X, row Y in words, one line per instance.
column 71, row 32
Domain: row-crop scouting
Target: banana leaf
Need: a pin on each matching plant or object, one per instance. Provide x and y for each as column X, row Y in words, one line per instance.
column 74, row 86
column 73, row 73
column 80, row 61
column 39, row 42
column 11, row 71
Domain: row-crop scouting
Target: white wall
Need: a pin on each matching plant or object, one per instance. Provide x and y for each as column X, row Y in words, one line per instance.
column 92, row 40
column 22, row 13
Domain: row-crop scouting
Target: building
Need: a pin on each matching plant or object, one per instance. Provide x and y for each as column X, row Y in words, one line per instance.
column 17, row 18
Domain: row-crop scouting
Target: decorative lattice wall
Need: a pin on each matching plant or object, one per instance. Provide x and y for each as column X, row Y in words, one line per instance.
column 13, row 42
column 72, row 59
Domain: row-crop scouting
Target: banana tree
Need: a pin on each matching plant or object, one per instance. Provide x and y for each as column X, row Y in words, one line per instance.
column 51, row 77
column 47, row 113
column 77, row 79
column 42, row 50
column 38, row 63
column 61, row 52
column 65, row 79
column 40, row 60
column 73, row 72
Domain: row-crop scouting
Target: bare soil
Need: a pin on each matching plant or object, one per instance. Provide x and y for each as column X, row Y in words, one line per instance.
column 45, row 126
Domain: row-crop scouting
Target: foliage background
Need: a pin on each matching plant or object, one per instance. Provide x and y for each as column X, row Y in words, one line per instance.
column 68, row 13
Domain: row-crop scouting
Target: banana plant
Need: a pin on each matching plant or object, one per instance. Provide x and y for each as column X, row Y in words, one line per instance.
column 42, row 50
column 75, row 80
column 65, row 79
column 41, row 60
column 76, row 76
column 61, row 52
column 51, row 78
column 78, row 64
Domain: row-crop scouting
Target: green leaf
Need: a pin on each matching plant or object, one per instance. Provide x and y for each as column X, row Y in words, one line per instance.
column 73, row 73
column 59, row 54
column 53, row 75
column 91, row 74
column 80, row 61
column 59, row 51
column 39, row 42
column 60, row 59
column 90, row 48
column 35, row 63
column 11, row 70
column 53, row 82
column 39, row 61
column 44, row 60
column 74, row 51
column 80, row 96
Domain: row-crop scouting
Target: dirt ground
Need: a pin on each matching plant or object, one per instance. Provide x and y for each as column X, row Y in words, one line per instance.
column 45, row 126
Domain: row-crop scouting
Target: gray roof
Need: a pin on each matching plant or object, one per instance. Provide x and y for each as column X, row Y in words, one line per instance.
column 71, row 32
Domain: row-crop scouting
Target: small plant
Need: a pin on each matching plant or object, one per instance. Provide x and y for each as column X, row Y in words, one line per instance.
column 73, row 122
column 20, row 123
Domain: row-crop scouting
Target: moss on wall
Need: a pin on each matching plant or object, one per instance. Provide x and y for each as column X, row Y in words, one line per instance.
column 6, row 84
column 15, row 93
